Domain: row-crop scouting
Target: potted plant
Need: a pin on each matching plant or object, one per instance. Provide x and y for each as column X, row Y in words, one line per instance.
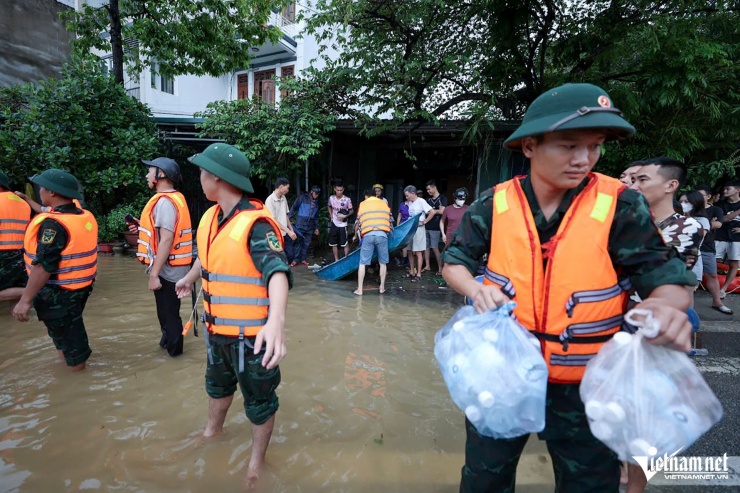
column 105, row 236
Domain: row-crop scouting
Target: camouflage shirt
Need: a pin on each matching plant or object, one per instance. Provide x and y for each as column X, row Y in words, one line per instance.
column 264, row 245
column 636, row 246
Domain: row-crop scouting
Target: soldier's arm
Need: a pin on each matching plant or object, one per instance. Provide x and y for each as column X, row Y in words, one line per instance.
column 36, row 280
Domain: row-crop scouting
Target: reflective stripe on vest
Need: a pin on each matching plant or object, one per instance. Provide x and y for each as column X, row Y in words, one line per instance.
column 374, row 215
column 15, row 214
column 78, row 266
column 575, row 302
column 181, row 252
column 235, row 297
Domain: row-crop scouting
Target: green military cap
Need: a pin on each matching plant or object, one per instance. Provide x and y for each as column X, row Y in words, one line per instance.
column 59, row 182
column 571, row 107
column 4, row 181
column 227, row 162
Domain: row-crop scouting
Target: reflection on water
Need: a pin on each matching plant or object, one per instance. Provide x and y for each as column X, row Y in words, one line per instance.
column 362, row 405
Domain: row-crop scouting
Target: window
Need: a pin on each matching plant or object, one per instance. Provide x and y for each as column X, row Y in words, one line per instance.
column 288, row 13
column 162, row 82
column 242, row 86
column 286, row 72
column 264, row 85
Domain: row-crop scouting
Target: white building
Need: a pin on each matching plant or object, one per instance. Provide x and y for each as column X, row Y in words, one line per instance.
column 184, row 95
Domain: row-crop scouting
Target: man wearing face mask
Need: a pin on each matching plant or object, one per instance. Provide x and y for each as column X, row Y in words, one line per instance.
column 452, row 216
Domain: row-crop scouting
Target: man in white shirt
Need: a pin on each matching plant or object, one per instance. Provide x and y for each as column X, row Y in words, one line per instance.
column 277, row 204
column 419, row 242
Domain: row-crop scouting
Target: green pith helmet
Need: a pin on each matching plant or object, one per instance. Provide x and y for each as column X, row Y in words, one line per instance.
column 227, row 162
column 571, row 107
column 59, row 182
column 4, row 181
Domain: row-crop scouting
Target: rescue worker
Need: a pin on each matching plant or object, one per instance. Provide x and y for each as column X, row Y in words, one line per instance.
column 244, row 271
column 306, row 211
column 61, row 254
column 15, row 215
column 165, row 227
column 374, row 225
column 538, row 231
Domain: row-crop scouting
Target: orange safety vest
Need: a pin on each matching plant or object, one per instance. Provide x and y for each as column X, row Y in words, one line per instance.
column 575, row 303
column 235, row 297
column 15, row 215
column 79, row 264
column 374, row 215
column 181, row 252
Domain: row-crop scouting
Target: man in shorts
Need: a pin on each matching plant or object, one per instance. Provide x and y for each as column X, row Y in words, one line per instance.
column 417, row 207
column 715, row 215
column 373, row 225
column 340, row 208
column 727, row 241
column 437, row 202
column 246, row 279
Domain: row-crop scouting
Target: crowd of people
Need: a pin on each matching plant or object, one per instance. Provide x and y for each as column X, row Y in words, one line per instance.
column 531, row 234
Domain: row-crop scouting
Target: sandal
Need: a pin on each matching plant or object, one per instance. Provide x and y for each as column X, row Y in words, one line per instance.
column 416, row 279
column 723, row 309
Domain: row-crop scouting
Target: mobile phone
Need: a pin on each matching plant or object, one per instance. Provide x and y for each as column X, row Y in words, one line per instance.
column 130, row 219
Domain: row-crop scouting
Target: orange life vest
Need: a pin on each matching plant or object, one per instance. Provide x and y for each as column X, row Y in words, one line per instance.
column 79, row 264
column 235, row 297
column 374, row 215
column 575, row 303
column 181, row 252
column 15, row 215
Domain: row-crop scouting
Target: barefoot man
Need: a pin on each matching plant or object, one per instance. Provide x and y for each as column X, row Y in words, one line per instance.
column 244, row 271
column 374, row 225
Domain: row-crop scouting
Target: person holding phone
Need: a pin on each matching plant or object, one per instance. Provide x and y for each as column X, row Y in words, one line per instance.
column 165, row 246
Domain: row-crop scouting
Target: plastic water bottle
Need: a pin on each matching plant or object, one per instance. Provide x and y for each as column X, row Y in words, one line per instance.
column 699, row 352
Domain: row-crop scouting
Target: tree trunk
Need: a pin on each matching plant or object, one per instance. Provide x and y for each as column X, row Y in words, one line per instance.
column 116, row 41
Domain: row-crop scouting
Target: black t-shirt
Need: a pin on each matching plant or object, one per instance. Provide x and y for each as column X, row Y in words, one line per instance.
column 441, row 200
column 712, row 213
column 725, row 232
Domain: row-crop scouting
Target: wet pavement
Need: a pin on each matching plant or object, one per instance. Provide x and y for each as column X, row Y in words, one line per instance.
column 363, row 407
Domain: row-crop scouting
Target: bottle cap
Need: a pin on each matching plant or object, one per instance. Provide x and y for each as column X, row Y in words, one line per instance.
column 614, row 412
column 472, row 413
column 595, row 410
column 486, row 399
column 622, row 338
column 490, row 335
column 459, row 325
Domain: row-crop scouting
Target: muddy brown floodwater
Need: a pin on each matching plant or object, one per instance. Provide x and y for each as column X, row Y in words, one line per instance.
column 363, row 407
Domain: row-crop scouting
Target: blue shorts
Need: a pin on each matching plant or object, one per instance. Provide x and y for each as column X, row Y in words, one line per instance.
column 371, row 243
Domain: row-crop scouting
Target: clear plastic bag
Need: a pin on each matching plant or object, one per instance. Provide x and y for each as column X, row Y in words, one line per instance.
column 494, row 370
column 646, row 400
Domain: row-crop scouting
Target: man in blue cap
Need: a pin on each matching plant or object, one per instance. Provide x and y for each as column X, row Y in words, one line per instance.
column 60, row 252
column 306, row 211
column 538, row 231
column 244, row 271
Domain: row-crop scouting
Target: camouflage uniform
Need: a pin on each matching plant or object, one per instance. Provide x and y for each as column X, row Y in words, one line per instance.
column 257, row 383
column 12, row 270
column 581, row 463
column 61, row 309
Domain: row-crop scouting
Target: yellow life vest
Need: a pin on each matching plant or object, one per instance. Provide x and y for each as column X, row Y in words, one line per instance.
column 374, row 215
column 79, row 264
column 575, row 303
column 15, row 214
column 181, row 252
column 234, row 295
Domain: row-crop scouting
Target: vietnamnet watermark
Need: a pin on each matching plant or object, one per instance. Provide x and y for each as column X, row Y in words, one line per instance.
column 683, row 468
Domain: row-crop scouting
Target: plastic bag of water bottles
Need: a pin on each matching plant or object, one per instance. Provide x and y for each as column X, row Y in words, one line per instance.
column 494, row 370
column 644, row 400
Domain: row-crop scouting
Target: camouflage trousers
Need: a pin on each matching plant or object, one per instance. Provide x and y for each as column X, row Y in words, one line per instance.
column 61, row 312
column 12, row 270
column 581, row 463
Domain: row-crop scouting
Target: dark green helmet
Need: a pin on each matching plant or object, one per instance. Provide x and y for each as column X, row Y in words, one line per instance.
column 59, row 182
column 227, row 162
column 571, row 107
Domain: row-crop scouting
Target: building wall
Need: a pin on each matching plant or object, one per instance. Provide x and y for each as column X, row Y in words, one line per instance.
column 34, row 43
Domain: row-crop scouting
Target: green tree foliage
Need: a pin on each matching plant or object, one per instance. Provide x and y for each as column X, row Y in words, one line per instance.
column 671, row 66
column 84, row 123
column 205, row 37
column 277, row 138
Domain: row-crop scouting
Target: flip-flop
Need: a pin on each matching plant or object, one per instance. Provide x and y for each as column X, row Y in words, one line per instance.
column 416, row 279
column 723, row 309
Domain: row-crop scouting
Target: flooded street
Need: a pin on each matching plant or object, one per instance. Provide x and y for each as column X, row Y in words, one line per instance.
column 363, row 407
